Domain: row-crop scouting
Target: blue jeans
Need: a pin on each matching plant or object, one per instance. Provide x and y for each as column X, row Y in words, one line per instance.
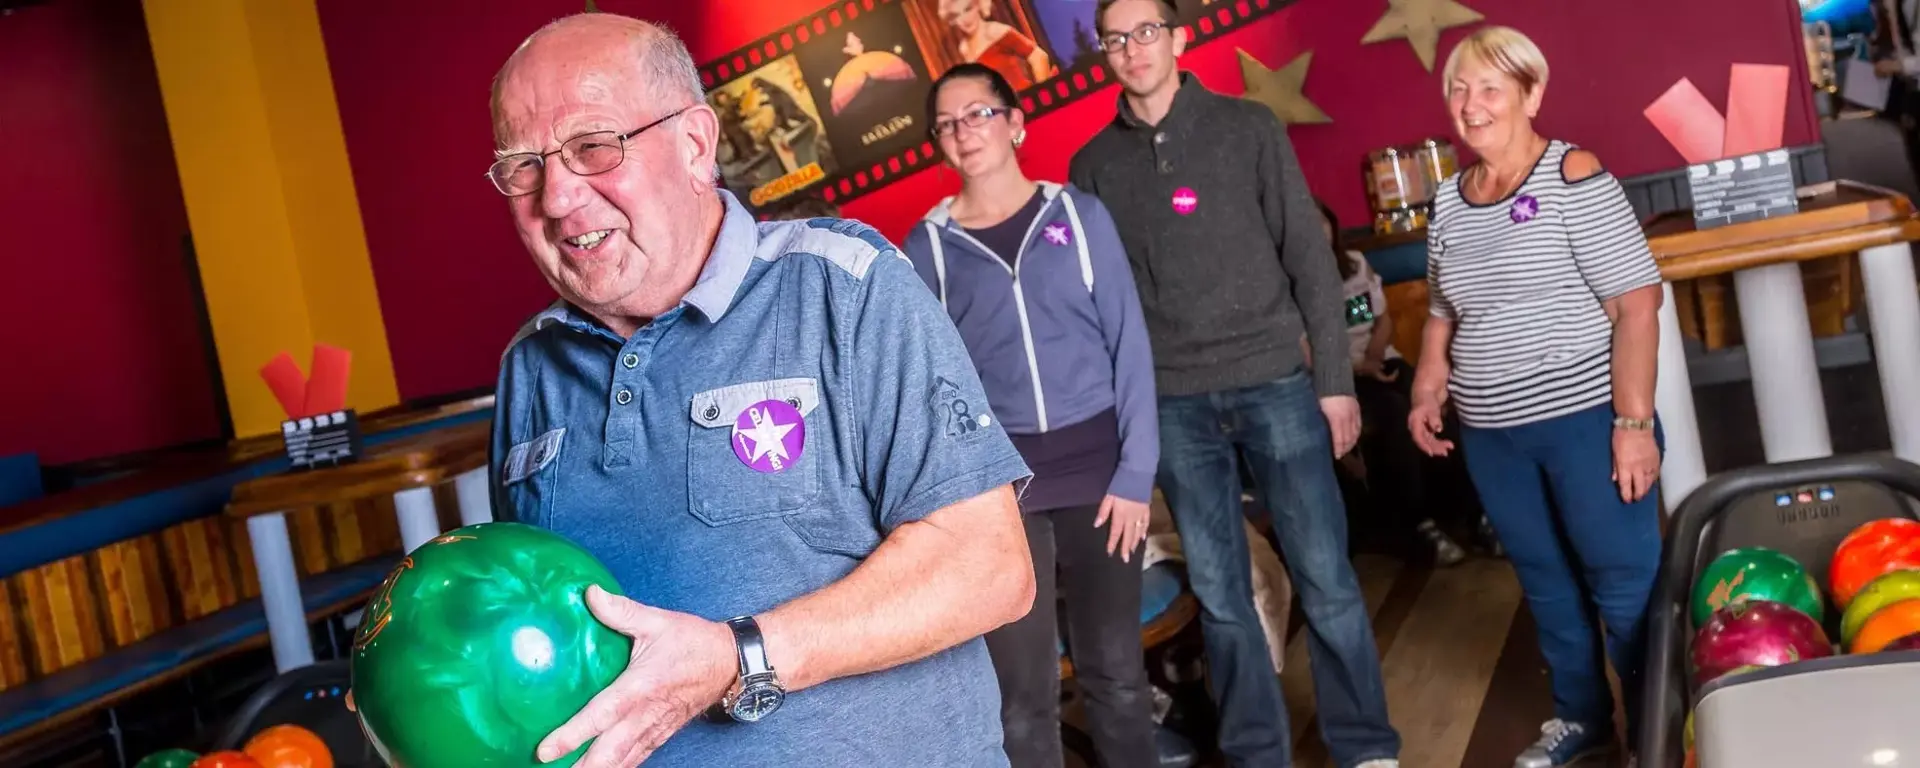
column 1283, row 434
column 1576, row 547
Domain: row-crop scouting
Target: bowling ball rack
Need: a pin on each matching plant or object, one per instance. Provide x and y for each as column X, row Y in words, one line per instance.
column 1758, row 506
column 311, row 697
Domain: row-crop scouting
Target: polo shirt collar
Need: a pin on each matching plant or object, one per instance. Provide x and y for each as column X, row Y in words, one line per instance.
column 733, row 252
column 1190, row 88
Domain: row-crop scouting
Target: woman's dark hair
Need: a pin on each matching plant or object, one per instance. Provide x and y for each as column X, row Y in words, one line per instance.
column 1347, row 267
column 1002, row 90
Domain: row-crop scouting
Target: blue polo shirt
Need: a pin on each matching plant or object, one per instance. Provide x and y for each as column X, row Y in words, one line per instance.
column 752, row 446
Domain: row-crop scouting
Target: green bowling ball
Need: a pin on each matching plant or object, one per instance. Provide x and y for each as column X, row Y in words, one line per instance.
column 1755, row 573
column 168, row 758
column 478, row 645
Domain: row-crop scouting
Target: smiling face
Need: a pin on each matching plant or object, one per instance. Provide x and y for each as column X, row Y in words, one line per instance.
column 963, row 15
column 975, row 151
column 1495, row 81
column 603, row 239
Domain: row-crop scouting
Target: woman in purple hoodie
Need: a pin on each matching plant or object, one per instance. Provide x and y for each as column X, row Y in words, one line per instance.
column 1035, row 278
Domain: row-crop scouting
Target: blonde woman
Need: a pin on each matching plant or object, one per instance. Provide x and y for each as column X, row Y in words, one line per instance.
column 1543, row 336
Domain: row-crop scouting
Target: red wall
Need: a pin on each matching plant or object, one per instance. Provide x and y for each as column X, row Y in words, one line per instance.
column 454, row 281
column 103, row 349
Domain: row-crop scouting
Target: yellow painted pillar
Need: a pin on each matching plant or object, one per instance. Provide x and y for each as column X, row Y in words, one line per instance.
column 270, row 198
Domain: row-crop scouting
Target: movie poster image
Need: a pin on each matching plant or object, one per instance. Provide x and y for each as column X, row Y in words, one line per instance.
column 772, row 141
column 1001, row 34
column 1070, row 31
column 870, row 85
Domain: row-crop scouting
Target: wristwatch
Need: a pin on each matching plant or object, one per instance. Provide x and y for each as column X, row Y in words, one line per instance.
column 758, row 692
column 1637, row 425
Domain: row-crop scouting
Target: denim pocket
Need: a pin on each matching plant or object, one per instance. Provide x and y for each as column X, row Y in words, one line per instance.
column 749, row 450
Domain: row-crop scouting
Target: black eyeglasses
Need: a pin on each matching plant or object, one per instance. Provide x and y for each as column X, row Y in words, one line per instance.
column 979, row 117
column 525, row 173
column 1144, row 34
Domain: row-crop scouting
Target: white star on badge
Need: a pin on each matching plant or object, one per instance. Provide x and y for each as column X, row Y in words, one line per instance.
column 767, row 436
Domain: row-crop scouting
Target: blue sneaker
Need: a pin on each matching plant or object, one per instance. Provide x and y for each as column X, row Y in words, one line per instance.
column 1562, row 744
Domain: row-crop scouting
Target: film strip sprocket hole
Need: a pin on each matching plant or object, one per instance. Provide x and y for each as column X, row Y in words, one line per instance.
column 1207, row 19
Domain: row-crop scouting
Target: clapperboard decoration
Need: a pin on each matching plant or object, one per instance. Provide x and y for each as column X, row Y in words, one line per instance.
column 320, row 431
column 1742, row 189
column 1737, row 169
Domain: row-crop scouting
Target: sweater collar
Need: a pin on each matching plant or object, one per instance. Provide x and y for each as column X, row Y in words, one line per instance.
column 1190, row 89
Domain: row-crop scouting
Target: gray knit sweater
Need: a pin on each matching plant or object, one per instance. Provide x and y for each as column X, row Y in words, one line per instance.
column 1225, row 243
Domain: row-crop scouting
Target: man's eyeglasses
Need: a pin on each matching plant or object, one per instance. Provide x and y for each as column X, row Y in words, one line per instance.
column 1144, row 34
column 525, row 173
column 979, row 117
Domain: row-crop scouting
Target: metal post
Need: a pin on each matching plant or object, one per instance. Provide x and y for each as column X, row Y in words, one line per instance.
column 1786, row 378
column 1684, row 467
column 476, row 505
column 419, row 521
column 280, row 591
column 1893, row 306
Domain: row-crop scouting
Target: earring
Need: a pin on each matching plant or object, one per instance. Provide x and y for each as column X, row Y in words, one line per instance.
column 1020, row 139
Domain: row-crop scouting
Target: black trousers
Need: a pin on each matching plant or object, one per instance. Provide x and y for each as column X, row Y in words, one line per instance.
column 1406, row 485
column 1102, row 635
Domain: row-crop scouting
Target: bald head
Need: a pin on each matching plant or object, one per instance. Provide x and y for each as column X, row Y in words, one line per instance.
column 606, row 152
column 606, row 47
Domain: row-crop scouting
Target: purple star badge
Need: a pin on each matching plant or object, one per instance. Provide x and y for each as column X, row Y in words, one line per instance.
column 1056, row 234
column 1524, row 209
column 769, row 436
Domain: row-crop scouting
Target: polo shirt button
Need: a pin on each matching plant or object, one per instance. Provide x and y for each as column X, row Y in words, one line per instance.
column 630, row 360
column 1166, row 166
column 1159, row 138
column 623, row 397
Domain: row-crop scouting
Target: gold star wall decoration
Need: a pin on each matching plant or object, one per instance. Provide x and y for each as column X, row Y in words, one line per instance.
column 1420, row 22
column 1282, row 90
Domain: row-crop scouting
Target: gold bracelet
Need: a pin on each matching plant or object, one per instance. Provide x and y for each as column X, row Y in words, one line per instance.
column 1637, row 425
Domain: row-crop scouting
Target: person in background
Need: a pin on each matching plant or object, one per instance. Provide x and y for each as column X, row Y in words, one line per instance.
column 1544, row 336
column 1035, row 278
column 1233, row 267
column 1396, row 471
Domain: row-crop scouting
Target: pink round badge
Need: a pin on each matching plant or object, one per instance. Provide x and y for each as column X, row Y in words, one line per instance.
column 769, row 435
column 1184, row 201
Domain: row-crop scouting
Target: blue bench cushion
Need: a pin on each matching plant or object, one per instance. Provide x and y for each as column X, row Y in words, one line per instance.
column 19, row 479
column 78, row 686
column 1159, row 587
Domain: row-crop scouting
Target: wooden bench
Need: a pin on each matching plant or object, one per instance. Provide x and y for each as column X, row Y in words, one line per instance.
column 116, row 586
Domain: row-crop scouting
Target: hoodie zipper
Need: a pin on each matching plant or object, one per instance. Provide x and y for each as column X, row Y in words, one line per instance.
column 1020, row 305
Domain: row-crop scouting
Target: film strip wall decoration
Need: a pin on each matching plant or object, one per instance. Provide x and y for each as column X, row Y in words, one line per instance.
column 831, row 107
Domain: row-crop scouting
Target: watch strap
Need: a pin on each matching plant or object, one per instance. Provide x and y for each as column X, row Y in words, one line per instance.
column 752, row 647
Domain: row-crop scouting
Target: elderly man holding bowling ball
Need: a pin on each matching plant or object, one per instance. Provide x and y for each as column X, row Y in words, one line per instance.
column 769, row 433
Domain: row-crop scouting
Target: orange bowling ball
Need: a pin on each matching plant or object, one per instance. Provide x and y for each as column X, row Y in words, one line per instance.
column 226, row 759
column 289, row 746
column 1872, row 549
column 1888, row 624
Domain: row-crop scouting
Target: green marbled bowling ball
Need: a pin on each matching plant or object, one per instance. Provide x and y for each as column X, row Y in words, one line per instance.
column 478, row 645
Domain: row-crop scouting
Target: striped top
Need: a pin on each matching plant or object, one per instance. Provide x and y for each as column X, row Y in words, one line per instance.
column 1523, row 279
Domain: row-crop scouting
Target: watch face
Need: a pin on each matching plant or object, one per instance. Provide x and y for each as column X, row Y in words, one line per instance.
column 757, row 702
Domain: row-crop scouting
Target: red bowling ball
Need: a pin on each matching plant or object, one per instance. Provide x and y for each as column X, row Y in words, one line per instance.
column 1755, row 633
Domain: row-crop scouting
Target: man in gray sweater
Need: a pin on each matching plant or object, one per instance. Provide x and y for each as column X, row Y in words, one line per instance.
column 1232, row 268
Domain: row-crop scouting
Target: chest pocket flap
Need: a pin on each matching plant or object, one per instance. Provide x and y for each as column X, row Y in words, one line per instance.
column 716, row 408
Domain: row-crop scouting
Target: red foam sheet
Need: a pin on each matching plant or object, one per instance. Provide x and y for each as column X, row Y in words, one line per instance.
column 327, row 389
column 288, row 384
column 1689, row 122
column 1756, row 108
